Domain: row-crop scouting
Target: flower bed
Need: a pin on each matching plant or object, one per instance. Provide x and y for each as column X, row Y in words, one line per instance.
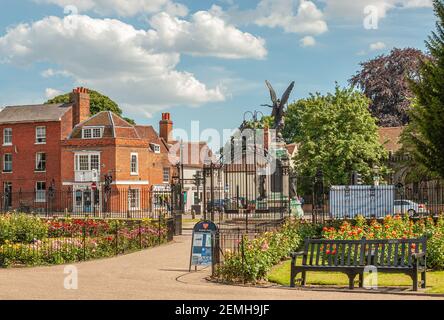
column 256, row 257
column 29, row 241
column 396, row 227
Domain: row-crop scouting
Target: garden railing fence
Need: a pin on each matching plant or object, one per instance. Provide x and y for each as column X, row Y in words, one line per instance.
column 72, row 240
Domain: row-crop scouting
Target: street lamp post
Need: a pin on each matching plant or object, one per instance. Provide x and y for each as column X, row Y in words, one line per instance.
column 376, row 177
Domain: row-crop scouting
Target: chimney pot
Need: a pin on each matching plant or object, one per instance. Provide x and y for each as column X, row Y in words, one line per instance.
column 166, row 127
column 81, row 105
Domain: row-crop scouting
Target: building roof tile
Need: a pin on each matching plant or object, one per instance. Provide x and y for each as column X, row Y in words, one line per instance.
column 34, row 113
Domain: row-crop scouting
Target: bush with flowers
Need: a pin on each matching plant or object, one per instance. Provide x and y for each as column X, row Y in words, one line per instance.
column 30, row 241
column 256, row 257
column 395, row 227
column 21, row 228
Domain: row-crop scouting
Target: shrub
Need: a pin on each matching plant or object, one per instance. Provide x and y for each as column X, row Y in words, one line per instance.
column 256, row 257
column 22, row 228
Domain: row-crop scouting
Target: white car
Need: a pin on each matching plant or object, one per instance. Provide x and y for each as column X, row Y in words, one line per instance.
column 410, row 207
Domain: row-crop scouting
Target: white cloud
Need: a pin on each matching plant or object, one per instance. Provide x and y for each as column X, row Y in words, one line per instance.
column 125, row 8
column 125, row 63
column 206, row 34
column 307, row 41
column 377, row 46
column 354, row 9
column 51, row 93
column 417, row 3
column 280, row 13
column 48, row 73
column 293, row 16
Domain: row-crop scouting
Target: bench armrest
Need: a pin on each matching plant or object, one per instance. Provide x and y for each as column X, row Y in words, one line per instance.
column 418, row 255
column 297, row 254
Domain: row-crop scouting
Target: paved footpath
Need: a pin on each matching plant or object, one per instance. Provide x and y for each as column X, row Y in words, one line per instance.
column 158, row 273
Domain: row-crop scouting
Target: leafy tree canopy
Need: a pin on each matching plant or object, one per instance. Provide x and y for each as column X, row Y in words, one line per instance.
column 337, row 134
column 427, row 128
column 384, row 80
column 98, row 103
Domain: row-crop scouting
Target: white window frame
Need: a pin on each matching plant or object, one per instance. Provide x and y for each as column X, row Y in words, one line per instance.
column 9, row 135
column 89, row 155
column 4, row 162
column 38, row 136
column 137, row 199
column 40, row 195
column 163, row 175
column 92, row 131
column 134, row 173
column 155, row 147
column 36, row 162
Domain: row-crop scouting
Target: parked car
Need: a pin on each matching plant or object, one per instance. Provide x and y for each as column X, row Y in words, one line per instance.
column 218, row 205
column 410, row 207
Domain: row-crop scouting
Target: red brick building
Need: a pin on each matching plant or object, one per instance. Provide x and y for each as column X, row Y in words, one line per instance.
column 61, row 147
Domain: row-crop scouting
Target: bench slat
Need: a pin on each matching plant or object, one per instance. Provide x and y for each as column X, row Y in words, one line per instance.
column 389, row 254
column 344, row 246
column 312, row 247
column 349, row 253
column 369, row 254
column 375, row 257
column 318, row 253
column 362, row 253
column 382, row 258
column 395, row 258
column 403, row 254
column 356, row 255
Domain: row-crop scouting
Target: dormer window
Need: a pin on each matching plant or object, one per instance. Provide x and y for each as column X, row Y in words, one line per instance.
column 92, row 132
column 155, row 147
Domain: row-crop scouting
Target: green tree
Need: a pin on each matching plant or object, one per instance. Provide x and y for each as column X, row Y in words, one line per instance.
column 337, row 134
column 98, row 101
column 427, row 113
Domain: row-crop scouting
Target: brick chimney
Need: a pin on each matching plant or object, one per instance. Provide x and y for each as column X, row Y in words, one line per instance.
column 81, row 107
column 166, row 127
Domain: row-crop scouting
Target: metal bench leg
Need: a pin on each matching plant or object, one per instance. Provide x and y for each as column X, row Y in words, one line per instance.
column 423, row 280
column 304, row 278
column 292, row 277
column 351, row 281
column 361, row 280
column 415, row 281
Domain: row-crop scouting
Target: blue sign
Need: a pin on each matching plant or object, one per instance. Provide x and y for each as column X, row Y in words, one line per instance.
column 203, row 244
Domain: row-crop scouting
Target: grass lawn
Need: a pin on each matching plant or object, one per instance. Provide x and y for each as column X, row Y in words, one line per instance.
column 281, row 275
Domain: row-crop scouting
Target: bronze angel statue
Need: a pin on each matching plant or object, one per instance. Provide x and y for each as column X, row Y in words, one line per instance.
column 278, row 106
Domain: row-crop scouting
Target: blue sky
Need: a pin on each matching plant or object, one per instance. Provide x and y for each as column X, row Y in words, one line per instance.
column 199, row 60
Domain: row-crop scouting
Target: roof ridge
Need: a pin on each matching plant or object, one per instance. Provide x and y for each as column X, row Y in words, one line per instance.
column 129, row 124
column 112, row 123
column 38, row 105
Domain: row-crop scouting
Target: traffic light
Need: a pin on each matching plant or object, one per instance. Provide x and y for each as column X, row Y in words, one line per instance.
column 108, row 181
column 357, row 178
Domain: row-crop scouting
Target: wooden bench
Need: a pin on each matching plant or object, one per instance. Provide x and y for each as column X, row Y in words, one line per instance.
column 407, row 256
